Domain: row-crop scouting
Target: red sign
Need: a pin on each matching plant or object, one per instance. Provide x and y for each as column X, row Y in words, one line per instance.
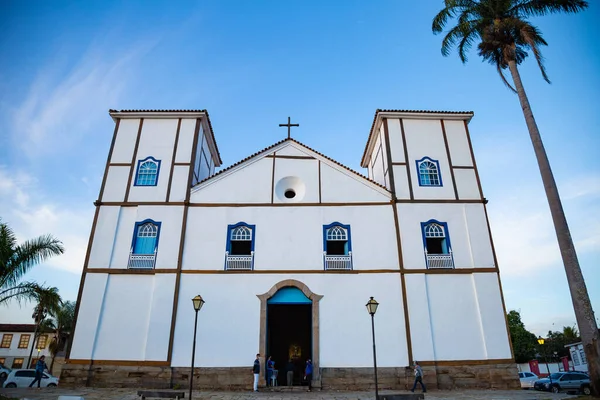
column 534, row 367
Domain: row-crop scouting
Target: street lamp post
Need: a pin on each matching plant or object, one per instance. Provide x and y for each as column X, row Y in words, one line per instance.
column 541, row 343
column 198, row 303
column 372, row 308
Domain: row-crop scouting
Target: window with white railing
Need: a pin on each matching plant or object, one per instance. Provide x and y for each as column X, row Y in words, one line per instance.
column 144, row 245
column 436, row 243
column 239, row 253
column 337, row 247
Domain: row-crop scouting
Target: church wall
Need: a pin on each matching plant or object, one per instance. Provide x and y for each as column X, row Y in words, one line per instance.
column 460, row 151
column 227, row 341
column 157, row 140
column 401, row 182
column 186, row 141
column 424, row 138
column 419, row 317
column 125, row 141
column 252, row 184
column 292, row 151
column 90, row 308
column 130, row 325
column 116, row 183
column 104, row 237
column 179, row 183
column 291, row 238
column 396, row 142
column 466, row 184
column 337, row 187
column 307, row 171
column 467, row 230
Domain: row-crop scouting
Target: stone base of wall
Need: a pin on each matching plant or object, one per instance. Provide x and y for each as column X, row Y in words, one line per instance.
column 440, row 376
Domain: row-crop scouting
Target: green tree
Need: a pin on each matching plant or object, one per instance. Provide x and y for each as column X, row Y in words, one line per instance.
column 523, row 341
column 17, row 259
column 504, row 38
column 48, row 302
column 61, row 324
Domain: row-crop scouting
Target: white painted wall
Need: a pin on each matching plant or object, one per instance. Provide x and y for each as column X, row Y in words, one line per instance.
column 186, row 141
column 116, row 183
column 396, row 143
column 307, row 171
column 466, row 184
column 157, row 140
column 252, row 184
column 460, row 151
column 104, row 235
column 233, row 342
column 136, row 305
column 419, row 317
column 125, row 141
column 289, row 237
column 179, row 184
column 467, row 230
column 401, row 182
column 424, row 138
column 292, row 151
column 89, row 313
column 338, row 187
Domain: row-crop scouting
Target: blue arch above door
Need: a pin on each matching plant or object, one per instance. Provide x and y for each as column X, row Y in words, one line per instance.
column 289, row 295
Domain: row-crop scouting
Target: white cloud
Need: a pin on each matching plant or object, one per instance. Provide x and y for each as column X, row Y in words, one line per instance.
column 31, row 217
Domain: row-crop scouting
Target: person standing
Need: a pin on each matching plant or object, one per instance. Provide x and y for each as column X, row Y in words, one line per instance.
column 308, row 374
column 290, row 373
column 256, row 372
column 418, row 378
column 270, row 367
column 40, row 366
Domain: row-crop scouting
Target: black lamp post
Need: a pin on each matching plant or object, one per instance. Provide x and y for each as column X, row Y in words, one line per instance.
column 198, row 303
column 372, row 308
column 541, row 343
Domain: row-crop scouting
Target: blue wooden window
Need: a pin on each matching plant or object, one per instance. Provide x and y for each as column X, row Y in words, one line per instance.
column 289, row 295
column 435, row 237
column 336, row 239
column 147, row 172
column 240, row 239
column 145, row 237
column 429, row 172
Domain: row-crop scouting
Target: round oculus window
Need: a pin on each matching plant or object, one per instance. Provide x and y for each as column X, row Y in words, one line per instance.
column 289, row 194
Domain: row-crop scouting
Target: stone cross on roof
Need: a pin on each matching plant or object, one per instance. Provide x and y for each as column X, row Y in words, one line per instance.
column 289, row 126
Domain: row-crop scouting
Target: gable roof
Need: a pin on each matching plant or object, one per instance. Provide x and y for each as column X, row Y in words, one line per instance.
column 317, row 155
column 413, row 114
column 171, row 114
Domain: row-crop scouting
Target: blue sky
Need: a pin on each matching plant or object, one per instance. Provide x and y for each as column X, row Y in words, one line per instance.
column 328, row 65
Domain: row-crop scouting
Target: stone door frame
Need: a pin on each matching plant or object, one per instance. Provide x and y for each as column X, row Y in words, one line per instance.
column 315, row 299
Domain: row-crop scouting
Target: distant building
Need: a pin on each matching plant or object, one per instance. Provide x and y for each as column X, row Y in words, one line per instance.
column 578, row 356
column 16, row 343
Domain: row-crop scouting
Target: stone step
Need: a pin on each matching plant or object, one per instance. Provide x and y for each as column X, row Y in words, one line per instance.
column 402, row 396
column 285, row 389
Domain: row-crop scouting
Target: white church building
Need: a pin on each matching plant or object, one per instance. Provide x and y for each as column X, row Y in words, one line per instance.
column 286, row 247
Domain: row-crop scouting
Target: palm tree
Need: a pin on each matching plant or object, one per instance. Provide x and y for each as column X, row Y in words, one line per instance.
column 504, row 38
column 17, row 259
column 62, row 324
column 48, row 302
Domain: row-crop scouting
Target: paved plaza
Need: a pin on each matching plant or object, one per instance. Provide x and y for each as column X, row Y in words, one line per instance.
column 130, row 394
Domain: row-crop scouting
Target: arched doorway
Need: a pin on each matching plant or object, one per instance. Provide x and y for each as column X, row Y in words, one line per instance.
column 289, row 328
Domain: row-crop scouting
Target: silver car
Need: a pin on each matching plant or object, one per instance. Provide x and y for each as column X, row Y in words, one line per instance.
column 527, row 379
column 560, row 381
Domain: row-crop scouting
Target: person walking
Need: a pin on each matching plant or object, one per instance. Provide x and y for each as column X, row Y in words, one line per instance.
column 418, row 378
column 40, row 366
column 308, row 374
column 256, row 372
column 290, row 373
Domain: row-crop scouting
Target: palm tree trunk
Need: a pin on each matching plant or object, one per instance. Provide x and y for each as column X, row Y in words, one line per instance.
column 579, row 295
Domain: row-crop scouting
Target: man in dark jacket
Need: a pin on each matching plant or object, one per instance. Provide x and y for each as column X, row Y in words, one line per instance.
column 256, row 371
column 40, row 366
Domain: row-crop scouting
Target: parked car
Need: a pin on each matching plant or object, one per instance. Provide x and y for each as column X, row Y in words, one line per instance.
column 4, row 371
column 527, row 379
column 23, row 377
column 558, row 381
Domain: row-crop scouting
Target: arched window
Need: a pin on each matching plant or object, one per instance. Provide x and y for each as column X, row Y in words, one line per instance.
column 240, row 239
column 429, row 172
column 337, row 239
column 145, row 239
column 435, row 238
column 147, row 172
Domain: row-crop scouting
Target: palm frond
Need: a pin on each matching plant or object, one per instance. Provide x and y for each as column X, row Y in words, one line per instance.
column 24, row 291
column 544, row 7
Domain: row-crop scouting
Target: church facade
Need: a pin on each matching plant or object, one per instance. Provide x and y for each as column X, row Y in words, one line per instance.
column 286, row 247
